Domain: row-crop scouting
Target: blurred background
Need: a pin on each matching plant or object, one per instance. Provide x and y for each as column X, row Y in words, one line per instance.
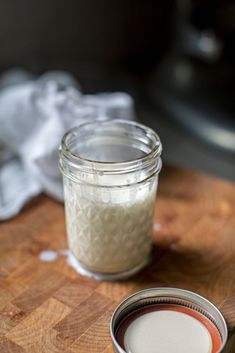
column 176, row 58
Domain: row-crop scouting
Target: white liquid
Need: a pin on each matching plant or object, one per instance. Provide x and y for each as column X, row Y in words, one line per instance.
column 167, row 332
column 110, row 229
column 48, row 255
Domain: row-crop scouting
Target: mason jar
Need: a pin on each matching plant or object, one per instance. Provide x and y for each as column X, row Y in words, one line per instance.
column 110, row 172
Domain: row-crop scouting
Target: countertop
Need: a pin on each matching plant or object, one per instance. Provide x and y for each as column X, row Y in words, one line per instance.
column 47, row 307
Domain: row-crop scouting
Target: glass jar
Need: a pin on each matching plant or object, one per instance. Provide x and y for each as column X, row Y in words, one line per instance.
column 110, row 172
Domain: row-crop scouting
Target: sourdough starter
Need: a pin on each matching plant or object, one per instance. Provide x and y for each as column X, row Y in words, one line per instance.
column 110, row 229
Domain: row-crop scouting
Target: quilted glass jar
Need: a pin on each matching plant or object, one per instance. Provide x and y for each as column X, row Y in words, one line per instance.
column 110, row 171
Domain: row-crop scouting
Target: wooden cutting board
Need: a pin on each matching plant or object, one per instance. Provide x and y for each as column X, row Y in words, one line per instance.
column 46, row 307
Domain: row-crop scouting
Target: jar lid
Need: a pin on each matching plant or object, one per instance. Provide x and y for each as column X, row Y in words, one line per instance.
column 187, row 302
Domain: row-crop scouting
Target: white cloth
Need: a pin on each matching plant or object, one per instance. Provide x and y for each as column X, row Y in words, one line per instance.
column 34, row 115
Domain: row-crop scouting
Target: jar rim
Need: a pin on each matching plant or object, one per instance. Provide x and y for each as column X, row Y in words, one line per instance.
column 74, row 159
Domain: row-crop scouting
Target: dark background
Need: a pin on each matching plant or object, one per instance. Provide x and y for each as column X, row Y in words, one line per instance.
column 44, row 34
column 175, row 58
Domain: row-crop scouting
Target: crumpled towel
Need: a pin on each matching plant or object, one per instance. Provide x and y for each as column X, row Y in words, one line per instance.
column 34, row 115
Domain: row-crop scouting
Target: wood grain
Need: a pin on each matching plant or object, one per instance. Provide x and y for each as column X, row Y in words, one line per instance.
column 49, row 308
column 33, row 328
